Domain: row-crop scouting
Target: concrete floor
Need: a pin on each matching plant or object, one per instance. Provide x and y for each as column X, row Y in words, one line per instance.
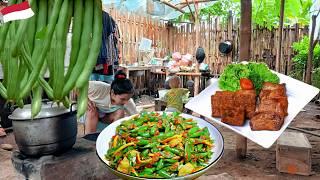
column 259, row 164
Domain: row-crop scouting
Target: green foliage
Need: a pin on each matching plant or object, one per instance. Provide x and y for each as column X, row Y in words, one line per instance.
column 302, row 49
column 300, row 59
column 222, row 8
column 265, row 13
column 316, row 77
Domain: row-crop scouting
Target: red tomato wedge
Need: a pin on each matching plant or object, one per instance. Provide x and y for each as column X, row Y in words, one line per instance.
column 246, row 84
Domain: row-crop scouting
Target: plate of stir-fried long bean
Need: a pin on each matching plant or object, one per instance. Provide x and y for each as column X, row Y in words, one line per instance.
column 153, row 145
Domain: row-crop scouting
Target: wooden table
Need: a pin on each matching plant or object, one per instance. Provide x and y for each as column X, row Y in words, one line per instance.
column 139, row 75
column 127, row 69
column 180, row 73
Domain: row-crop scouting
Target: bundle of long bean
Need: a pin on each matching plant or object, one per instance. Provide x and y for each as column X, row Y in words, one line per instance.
column 29, row 47
column 159, row 146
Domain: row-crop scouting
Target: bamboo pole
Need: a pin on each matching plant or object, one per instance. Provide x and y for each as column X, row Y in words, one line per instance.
column 172, row 6
column 311, row 48
column 278, row 57
column 197, row 24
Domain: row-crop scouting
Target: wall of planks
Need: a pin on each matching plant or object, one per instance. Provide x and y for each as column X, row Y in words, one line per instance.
column 181, row 37
column 133, row 28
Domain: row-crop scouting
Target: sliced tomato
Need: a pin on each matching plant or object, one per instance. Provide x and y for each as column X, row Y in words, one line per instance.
column 246, row 84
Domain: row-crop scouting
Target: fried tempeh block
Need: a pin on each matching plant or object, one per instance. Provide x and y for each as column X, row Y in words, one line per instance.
column 247, row 100
column 215, row 104
column 272, row 90
column 266, row 121
column 234, row 116
column 272, row 106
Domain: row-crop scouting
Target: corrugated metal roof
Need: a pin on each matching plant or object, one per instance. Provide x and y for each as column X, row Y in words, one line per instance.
column 160, row 11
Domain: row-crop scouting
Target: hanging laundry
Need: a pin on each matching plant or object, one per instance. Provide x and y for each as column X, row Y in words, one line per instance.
column 108, row 59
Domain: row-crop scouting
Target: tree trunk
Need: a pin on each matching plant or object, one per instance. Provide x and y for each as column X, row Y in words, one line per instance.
column 311, row 47
column 245, row 30
column 278, row 57
column 245, row 42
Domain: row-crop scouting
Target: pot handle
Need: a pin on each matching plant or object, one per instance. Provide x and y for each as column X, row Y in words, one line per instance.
column 72, row 104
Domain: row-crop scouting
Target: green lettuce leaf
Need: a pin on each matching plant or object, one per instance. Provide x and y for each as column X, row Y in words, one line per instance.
column 258, row 73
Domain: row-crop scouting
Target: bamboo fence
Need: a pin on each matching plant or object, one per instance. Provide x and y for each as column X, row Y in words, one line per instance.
column 167, row 39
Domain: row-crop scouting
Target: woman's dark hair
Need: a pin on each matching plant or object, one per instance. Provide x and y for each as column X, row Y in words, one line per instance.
column 121, row 84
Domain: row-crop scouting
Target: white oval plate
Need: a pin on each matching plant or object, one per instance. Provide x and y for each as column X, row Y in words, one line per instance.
column 104, row 138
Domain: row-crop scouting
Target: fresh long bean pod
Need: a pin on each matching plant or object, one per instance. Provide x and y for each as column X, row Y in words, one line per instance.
column 22, row 71
column 83, row 100
column 41, row 23
column 43, row 83
column 96, row 44
column 61, row 32
column 36, row 100
column 76, row 35
column 3, row 35
column 4, row 62
column 13, row 65
column 41, row 80
column 84, row 49
column 25, row 50
column 40, row 26
column 66, row 102
column 20, row 35
column 20, row 103
column 3, row 91
column 37, row 95
column 4, row 29
column 41, row 57
column 51, row 58
column 31, row 29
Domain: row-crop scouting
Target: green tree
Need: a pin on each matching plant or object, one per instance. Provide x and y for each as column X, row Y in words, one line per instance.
column 265, row 13
column 300, row 59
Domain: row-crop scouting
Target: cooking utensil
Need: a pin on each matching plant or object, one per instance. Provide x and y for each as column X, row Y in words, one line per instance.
column 53, row 130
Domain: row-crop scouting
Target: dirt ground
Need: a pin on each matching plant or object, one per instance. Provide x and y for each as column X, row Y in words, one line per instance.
column 259, row 164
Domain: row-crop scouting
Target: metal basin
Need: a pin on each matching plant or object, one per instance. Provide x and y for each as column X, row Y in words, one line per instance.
column 53, row 131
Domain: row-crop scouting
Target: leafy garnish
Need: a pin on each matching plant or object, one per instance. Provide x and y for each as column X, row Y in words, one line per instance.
column 258, row 73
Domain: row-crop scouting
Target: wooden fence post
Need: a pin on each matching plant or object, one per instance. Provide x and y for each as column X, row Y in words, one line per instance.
column 245, row 39
column 279, row 47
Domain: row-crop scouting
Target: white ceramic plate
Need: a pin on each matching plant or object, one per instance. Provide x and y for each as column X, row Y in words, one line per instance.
column 102, row 146
column 299, row 94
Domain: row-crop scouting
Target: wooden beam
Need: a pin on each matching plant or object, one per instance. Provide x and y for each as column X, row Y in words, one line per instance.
column 241, row 146
column 172, row 6
column 191, row 2
column 197, row 27
column 278, row 56
column 245, row 41
column 245, row 30
column 194, row 19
